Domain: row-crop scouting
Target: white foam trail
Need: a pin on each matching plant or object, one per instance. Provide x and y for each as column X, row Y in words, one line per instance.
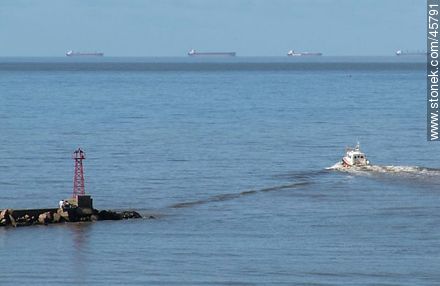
column 398, row 170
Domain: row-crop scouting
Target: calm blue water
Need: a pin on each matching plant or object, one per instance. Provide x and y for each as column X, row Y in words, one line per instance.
column 231, row 157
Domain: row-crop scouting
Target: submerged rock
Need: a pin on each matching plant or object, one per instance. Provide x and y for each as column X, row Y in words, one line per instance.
column 130, row 214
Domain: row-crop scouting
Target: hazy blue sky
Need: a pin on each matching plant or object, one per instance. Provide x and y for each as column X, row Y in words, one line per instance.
column 172, row 27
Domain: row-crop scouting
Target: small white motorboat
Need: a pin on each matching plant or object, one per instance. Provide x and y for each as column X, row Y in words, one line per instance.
column 354, row 157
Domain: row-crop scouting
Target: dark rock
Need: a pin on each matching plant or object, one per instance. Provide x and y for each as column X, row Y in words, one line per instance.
column 84, row 218
column 109, row 215
column 23, row 220
column 73, row 215
column 84, row 212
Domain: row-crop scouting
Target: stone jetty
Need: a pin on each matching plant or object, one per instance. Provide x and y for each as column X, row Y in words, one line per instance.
column 75, row 209
column 16, row 218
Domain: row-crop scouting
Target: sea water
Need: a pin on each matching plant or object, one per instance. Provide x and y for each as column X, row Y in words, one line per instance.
column 235, row 158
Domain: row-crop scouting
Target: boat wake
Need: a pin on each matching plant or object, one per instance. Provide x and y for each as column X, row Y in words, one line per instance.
column 396, row 170
column 231, row 196
column 303, row 179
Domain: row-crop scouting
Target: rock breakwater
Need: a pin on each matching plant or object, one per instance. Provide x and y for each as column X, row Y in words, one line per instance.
column 28, row 217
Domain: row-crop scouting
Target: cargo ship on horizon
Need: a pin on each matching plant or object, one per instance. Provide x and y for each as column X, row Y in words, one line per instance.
column 95, row 54
column 193, row 53
column 292, row 53
column 410, row 53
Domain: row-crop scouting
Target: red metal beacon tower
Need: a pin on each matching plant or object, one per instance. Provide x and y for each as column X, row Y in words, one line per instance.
column 79, row 196
column 78, row 177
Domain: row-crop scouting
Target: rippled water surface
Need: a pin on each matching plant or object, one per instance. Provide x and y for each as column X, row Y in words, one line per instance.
column 235, row 159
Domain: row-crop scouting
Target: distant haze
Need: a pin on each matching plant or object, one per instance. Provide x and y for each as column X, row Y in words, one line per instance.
column 248, row 27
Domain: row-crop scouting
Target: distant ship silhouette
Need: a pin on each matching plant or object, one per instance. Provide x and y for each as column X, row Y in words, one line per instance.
column 72, row 53
column 193, row 53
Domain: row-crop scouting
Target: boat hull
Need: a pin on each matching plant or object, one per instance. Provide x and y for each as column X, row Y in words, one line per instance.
column 347, row 163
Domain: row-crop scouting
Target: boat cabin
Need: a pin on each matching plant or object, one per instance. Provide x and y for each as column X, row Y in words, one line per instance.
column 355, row 157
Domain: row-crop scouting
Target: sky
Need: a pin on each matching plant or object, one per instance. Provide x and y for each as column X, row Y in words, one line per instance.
column 248, row 27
